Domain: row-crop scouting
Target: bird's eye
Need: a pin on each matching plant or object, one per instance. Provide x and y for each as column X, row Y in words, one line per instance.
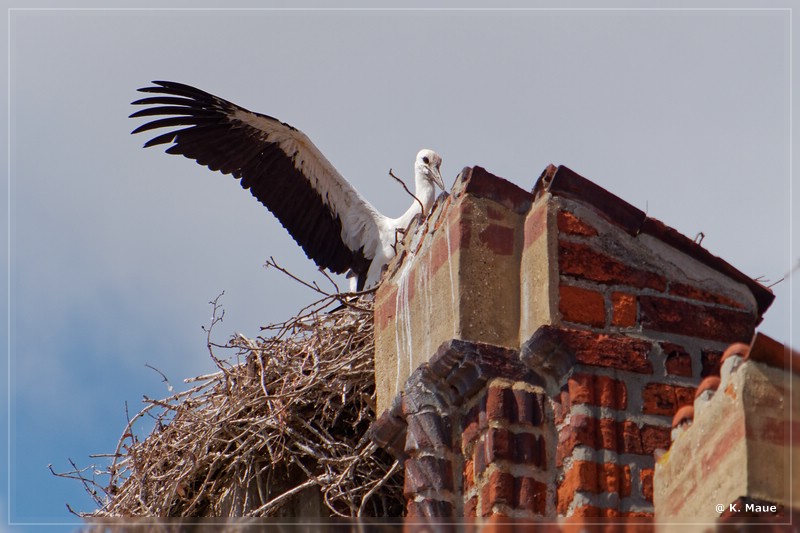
column 426, row 160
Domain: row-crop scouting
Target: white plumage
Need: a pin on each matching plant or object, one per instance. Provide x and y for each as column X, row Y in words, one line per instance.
column 336, row 227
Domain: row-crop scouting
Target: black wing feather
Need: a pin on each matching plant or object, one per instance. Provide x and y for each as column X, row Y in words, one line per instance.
column 216, row 139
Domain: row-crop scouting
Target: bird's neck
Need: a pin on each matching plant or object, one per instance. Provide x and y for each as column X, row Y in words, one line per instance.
column 426, row 193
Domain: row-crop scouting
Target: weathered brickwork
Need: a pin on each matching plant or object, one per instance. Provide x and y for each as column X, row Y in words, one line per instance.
column 640, row 339
column 508, row 458
column 559, row 406
column 732, row 445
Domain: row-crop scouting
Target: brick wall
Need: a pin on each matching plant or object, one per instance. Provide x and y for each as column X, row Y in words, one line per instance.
column 732, row 446
column 570, row 328
column 641, row 339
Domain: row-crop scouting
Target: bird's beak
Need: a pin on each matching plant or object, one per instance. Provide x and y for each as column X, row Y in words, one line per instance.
column 437, row 177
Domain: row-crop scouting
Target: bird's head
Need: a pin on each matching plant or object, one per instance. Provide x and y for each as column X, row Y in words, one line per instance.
column 427, row 165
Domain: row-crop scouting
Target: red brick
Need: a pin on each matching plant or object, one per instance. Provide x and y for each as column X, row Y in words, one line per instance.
column 581, row 305
column 611, row 392
column 486, row 502
column 608, row 437
column 694, row 293
column 499, row 403
column 471, row 428
column 565, row 399
column 624, row 310
column 498, row 445
column 598, row 390
column 582, row 430
column 614, row 351
column 646, row 478
column 501, row 488
column 428, row 431
column 469, row 474
column 531, row 495
column 655, row 437
column 479, row 456
column 678, row 362
column 711, row 360
column 483, row 422
column 583, row 261
column 499, row 239
column 427, row 473
column 529, row 407
column 623, row 437
column 614, row 478
column 582, row 476
column 587, row 511
column 530, row 449
column 581, row 388
column 471, row 507
column 630, row 438
column 561, row 407
column 664, row 399
column 572, row 225
column 683, row 318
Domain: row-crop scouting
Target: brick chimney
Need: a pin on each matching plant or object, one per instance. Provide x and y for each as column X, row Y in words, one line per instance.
column 532, row 348
column 732, row 458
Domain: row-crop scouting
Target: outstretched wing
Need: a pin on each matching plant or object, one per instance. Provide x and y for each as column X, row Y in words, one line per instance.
column 283, row 169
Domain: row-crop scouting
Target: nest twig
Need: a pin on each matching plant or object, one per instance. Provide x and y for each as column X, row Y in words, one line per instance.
column 283, row 432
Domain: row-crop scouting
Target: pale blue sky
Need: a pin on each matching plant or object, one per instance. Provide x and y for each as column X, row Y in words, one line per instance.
column 116, row 250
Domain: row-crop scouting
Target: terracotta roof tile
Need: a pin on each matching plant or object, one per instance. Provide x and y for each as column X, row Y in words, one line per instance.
column 711, row 383
column 737, row 348
column 683, row 415
column 767, row 350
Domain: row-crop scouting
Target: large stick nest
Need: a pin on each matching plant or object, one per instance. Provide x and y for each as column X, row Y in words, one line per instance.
column 280, row 430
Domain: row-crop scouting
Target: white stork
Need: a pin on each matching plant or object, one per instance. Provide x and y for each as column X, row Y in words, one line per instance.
column 329, row 219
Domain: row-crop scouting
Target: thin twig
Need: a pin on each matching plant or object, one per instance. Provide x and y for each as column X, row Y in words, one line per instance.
column 421, row 207
column 395, row 467
column 170, row 388
column 340, row 297
column 267, row 507
column 311, row 285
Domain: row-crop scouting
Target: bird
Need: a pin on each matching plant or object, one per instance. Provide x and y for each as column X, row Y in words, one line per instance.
column 331, row 221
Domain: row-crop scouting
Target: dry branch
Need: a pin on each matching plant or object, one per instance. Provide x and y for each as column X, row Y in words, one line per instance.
column 264, row 437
